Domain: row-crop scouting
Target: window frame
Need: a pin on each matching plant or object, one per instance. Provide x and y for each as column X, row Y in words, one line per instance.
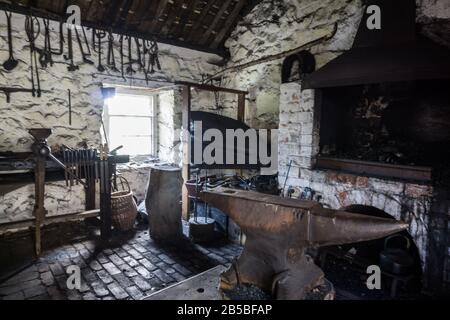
column 153, row 118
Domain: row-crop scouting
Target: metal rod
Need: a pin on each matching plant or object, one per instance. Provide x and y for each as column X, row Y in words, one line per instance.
column 66, row 169
column 287, row 176
column 70, row 107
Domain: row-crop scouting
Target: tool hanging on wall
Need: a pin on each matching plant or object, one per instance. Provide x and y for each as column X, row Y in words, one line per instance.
column 100, row 34
column 60, row 51
column 111, row 59
column 11, row 63
column 153, row 57
column 122, row 71
column 72, row 67
column 139, row 55
column 70, row 106
column 45, row 54
column 94, row 39
column 32, row 28
column 218, row 106
column 8, row 90
column 85, row 52
column 130, row 69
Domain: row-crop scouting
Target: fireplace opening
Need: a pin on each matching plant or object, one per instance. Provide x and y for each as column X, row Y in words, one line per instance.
column 403, row 124
column 346, row 265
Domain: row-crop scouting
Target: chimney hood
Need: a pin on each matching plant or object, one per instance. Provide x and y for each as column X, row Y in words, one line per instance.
column 390, row 54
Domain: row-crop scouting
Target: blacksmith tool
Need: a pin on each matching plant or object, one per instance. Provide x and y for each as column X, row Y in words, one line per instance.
column 96, row 166
column 7, row 91
column 111, row 60
column 130, row 69
column 94, row 40
column 70, row 106
column 32, row 35
column 82, row 165
column 100, row 35
column 45, row 55
column 71, row 170
column 287, row 177
column 41, row 150
column 72, row 67
column 61, row 40
column 11, row 63
column 64, row 152
column 280, row 230
column 121, row 57
column 139, row 55
column 154, row 58
column 87, row 53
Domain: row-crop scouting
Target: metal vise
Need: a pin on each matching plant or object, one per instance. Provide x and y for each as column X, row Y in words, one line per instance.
column 278, row 232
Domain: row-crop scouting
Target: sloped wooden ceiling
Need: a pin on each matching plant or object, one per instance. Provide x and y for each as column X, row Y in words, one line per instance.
column 197, row 24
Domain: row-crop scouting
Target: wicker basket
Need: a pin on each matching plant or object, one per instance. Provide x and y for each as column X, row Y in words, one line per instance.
column 124, row 208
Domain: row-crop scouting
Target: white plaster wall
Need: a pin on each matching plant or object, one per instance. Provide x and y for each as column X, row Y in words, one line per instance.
column 301, row 21
column 51, row 110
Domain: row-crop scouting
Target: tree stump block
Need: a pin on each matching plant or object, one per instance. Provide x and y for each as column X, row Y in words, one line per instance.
column 163, row 203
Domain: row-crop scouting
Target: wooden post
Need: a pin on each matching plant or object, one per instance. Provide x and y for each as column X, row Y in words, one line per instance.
column 186, row 119
column 105, row 199
column 39, row 211
column 241, row 107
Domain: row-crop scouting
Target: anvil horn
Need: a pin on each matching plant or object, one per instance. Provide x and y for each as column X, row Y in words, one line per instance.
column 279, row 229
column 348, row 227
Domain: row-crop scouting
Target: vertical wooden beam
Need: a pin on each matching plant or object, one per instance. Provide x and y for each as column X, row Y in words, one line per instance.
column 186, row 119
column 241, row 107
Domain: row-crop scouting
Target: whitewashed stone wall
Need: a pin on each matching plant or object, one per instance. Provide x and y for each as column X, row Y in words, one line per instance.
column 260, row 35
column 169, row 125
column 51, row 110
column 275, row 26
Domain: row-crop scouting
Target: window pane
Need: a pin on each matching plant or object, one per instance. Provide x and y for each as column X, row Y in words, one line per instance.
column 126, row 126
column 123, row 104
column 135, row 145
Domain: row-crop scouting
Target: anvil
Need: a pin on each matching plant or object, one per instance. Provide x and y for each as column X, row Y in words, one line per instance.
column 279, row 231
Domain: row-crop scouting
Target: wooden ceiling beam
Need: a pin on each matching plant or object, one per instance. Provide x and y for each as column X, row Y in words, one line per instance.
column 230, row 22
column 159, row 11
column 172, row 13
column 110, row 14
column 185, row 13
column 217, row 18
column 124, row 12
column 24, row 10
column 200, row 18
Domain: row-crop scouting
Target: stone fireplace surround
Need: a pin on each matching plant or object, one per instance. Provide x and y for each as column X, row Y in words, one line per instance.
column 404, row 200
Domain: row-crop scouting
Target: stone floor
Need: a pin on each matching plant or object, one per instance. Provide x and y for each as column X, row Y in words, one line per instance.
column 132, row 269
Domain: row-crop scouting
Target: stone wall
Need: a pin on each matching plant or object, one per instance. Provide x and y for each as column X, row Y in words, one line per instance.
column 51, row 110
column 275, row 26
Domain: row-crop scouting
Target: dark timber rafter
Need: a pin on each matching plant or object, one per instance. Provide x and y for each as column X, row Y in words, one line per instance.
column 201, row 25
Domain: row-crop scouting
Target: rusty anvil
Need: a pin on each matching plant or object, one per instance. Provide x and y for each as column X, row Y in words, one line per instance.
column 278, row 232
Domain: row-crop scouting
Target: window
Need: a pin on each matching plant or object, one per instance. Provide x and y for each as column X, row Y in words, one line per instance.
column 130, row 122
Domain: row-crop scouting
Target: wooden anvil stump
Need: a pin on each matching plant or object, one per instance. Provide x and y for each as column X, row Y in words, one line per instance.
column 279, row 230
column 163, row 203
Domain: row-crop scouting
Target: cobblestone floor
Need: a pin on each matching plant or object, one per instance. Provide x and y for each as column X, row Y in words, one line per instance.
column 132, row 269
